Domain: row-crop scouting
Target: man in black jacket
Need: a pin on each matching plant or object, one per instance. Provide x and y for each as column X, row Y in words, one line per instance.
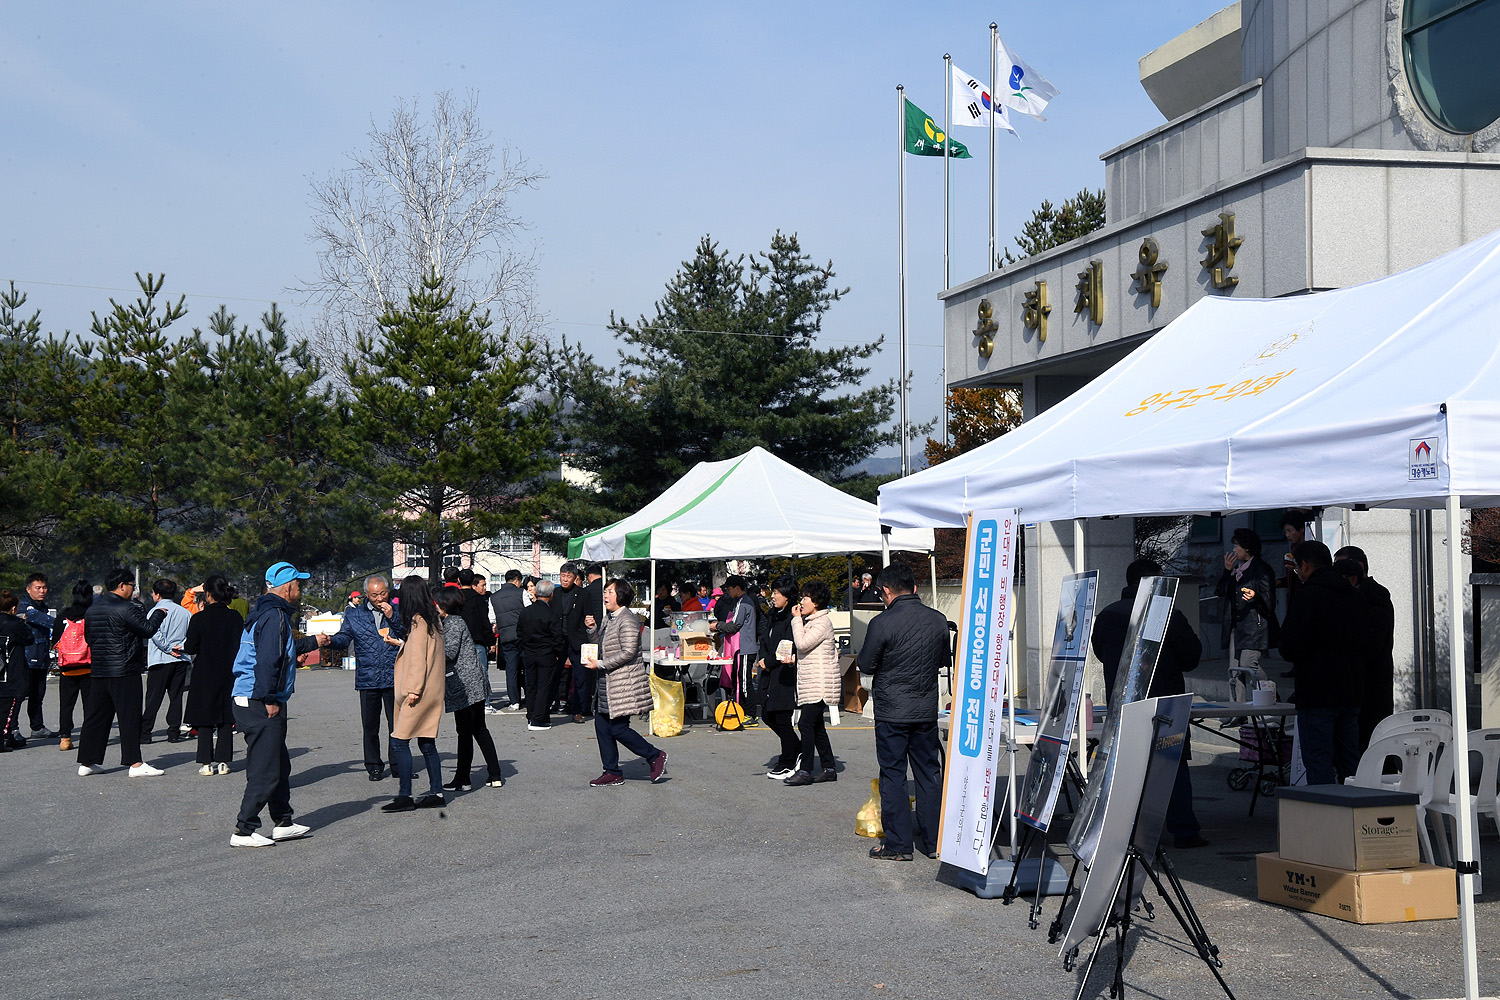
column 1181, row 649
column 1324, row 638
column 508, row 602
column 906, row 645
column 540, row 634
column 116, row 629
column 1377, row 696
column 569, row 612
column 586, row 616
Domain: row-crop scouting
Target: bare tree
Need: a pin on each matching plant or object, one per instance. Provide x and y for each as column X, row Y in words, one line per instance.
column 430, row 194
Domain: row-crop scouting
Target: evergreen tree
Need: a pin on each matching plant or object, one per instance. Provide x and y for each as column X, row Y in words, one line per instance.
column 728, row 361
column 448, row 433
column 1050, row 227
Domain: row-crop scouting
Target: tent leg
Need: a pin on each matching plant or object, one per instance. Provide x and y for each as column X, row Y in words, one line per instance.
column 849, row 575
column 1083, row 723
column 932, row 561
column 651, row 626
column 885, row 546
column 1459, row 680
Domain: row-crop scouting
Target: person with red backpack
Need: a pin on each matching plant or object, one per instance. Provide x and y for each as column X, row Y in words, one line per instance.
column 73, row 660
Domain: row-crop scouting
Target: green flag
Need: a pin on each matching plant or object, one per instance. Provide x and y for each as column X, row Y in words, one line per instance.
column 924, row 137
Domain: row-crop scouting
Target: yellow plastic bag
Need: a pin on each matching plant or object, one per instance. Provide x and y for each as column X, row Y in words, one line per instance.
column 668, row 706
column 867, row 820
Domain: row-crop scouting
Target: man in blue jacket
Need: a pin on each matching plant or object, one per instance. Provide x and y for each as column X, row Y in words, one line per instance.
column 34, row 611
column 265, row 672
column 374, row 630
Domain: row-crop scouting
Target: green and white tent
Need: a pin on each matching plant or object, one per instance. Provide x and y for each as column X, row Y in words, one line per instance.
column 753, row 505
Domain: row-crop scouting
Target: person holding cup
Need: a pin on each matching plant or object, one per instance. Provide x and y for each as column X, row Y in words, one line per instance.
column 623, row 691
column 777, row 667
column 1248, row 590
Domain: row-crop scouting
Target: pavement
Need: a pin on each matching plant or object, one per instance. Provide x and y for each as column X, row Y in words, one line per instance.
column 714, row 883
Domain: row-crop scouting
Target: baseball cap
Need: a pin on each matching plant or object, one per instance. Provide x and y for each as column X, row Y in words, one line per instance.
column 282, row 573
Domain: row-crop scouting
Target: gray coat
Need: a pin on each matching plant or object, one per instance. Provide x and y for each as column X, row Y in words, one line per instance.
column 464, row 682
column 625, row 689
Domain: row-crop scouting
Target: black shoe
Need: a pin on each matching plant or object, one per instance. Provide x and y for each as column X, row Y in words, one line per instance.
column 145, row 738
column 827, row 774
column 458, row 783
column 175, row 738
column 431, row 802
column 400, row 804
column 883, row 853
column 1186, row 843
column 377, row 774
column 800, row 778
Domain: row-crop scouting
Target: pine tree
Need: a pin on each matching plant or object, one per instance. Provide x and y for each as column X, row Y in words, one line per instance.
column 728, row 361
column 453, row 441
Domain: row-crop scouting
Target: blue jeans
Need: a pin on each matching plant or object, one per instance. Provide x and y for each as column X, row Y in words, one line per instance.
column 1330, row 743
column 611, row 733
column 401, row 758
column 895, row 745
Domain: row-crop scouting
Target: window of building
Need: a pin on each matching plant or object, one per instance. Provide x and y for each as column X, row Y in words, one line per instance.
column 1449, row 47
column 418, row 553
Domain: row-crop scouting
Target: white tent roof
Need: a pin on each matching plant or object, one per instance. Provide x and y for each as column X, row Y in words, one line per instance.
column 1386, row 393
column 753, row 505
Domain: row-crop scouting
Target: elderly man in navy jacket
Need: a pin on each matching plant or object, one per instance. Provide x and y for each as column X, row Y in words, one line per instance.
column 905, row 647
column 374, row 630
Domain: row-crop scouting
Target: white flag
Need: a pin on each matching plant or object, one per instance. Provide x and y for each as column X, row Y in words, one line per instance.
column 971, row 103
column 1020, row 86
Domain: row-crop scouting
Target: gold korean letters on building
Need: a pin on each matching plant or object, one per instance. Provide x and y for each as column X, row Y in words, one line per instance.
column 986, row 329
column 1148, row 275
column 1034, row 310
column 1222, row 243
column 1091, row 292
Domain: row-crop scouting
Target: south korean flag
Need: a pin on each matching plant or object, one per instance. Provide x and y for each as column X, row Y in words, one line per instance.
column 972, row 104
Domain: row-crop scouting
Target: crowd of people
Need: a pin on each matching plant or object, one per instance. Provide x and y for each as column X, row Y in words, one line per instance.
column 575, row 648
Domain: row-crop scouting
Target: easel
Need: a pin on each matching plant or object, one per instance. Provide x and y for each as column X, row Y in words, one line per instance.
column 1177, row 901
column 1032, row 835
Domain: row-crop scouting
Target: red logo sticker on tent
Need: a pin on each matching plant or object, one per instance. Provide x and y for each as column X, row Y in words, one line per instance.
column 1421, row 459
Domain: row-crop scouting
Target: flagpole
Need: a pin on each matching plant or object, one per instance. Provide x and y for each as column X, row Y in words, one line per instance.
column 901, row 265
column 994, row 35
column 947, row 151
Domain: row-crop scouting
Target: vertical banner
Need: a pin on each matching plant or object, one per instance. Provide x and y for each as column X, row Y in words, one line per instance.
column 974, row 733
column 1070, row 648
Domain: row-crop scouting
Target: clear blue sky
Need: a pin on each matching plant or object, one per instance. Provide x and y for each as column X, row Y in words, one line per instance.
column 181, row 137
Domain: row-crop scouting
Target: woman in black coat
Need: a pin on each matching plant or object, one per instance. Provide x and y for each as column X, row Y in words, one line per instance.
column 778, row 677
column 1248, row 592
column 213, row 638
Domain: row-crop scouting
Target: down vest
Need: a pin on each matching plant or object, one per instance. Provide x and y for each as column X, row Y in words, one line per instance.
column 905, row 647
column 625, row 690
column 818, row 677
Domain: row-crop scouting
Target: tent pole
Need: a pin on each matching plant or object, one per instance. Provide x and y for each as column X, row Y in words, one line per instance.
column 1459, row 680
column 1083, row 722
column 849, row 573
column 885, row 545
column 651, row 625
column 932, row 562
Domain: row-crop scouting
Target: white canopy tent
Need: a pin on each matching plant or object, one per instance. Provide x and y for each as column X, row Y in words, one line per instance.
column 753, row 505
column 1382, row 394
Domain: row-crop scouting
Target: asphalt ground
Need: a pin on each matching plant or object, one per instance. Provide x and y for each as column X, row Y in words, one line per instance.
column 714, row 883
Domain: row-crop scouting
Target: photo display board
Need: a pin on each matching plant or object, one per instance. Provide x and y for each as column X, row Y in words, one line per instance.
column 1049, row 754
column 1143, row 638
column 981, row 672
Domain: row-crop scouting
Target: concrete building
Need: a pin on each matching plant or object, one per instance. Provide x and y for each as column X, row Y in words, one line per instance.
column 1307, row 144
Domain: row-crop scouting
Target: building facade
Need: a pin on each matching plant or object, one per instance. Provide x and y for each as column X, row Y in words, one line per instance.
column 1308, row 144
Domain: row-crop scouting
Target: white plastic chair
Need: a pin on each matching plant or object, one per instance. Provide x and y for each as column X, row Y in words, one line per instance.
column 1486, row 743
column 1419, row 720
column 1417, row 753
column 1444, row 803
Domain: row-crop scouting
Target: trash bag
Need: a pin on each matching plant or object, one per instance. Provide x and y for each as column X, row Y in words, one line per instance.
column 867, row 820
column 668, row 706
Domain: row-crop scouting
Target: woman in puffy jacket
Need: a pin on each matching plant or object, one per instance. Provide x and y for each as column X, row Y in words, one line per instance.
column 623, row 690
column 464, row 691
column 73, row 685
column 818, row 680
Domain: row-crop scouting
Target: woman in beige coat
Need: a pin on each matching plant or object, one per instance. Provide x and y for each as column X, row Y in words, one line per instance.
column 818, row 681
column 420, row 666
column 625, row 690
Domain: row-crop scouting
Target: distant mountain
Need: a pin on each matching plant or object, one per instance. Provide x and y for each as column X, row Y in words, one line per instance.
column 886, row 465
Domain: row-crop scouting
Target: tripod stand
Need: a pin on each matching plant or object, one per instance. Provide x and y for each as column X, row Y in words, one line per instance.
column 1071, row 777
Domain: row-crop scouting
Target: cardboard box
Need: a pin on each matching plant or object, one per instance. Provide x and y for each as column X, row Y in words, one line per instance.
column 695, row 646
column 1345, row 826
column 1383, row 896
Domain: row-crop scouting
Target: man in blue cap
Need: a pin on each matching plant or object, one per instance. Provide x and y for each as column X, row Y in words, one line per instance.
column 265, row 671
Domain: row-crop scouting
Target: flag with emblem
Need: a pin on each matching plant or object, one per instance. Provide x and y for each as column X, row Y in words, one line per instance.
column 1021, row 88
column 972, row 104
column 924, row 137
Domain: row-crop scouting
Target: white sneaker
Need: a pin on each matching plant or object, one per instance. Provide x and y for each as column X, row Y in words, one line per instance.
column 781, row 775
column 253, row 840
column 207, row 769
column 491, row 710
column 537, row 729
column 223, row 768
column 144, row 771
column 84, row 770
column 290, row 832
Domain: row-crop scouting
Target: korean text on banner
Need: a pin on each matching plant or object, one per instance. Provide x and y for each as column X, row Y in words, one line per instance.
column 974, row 733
